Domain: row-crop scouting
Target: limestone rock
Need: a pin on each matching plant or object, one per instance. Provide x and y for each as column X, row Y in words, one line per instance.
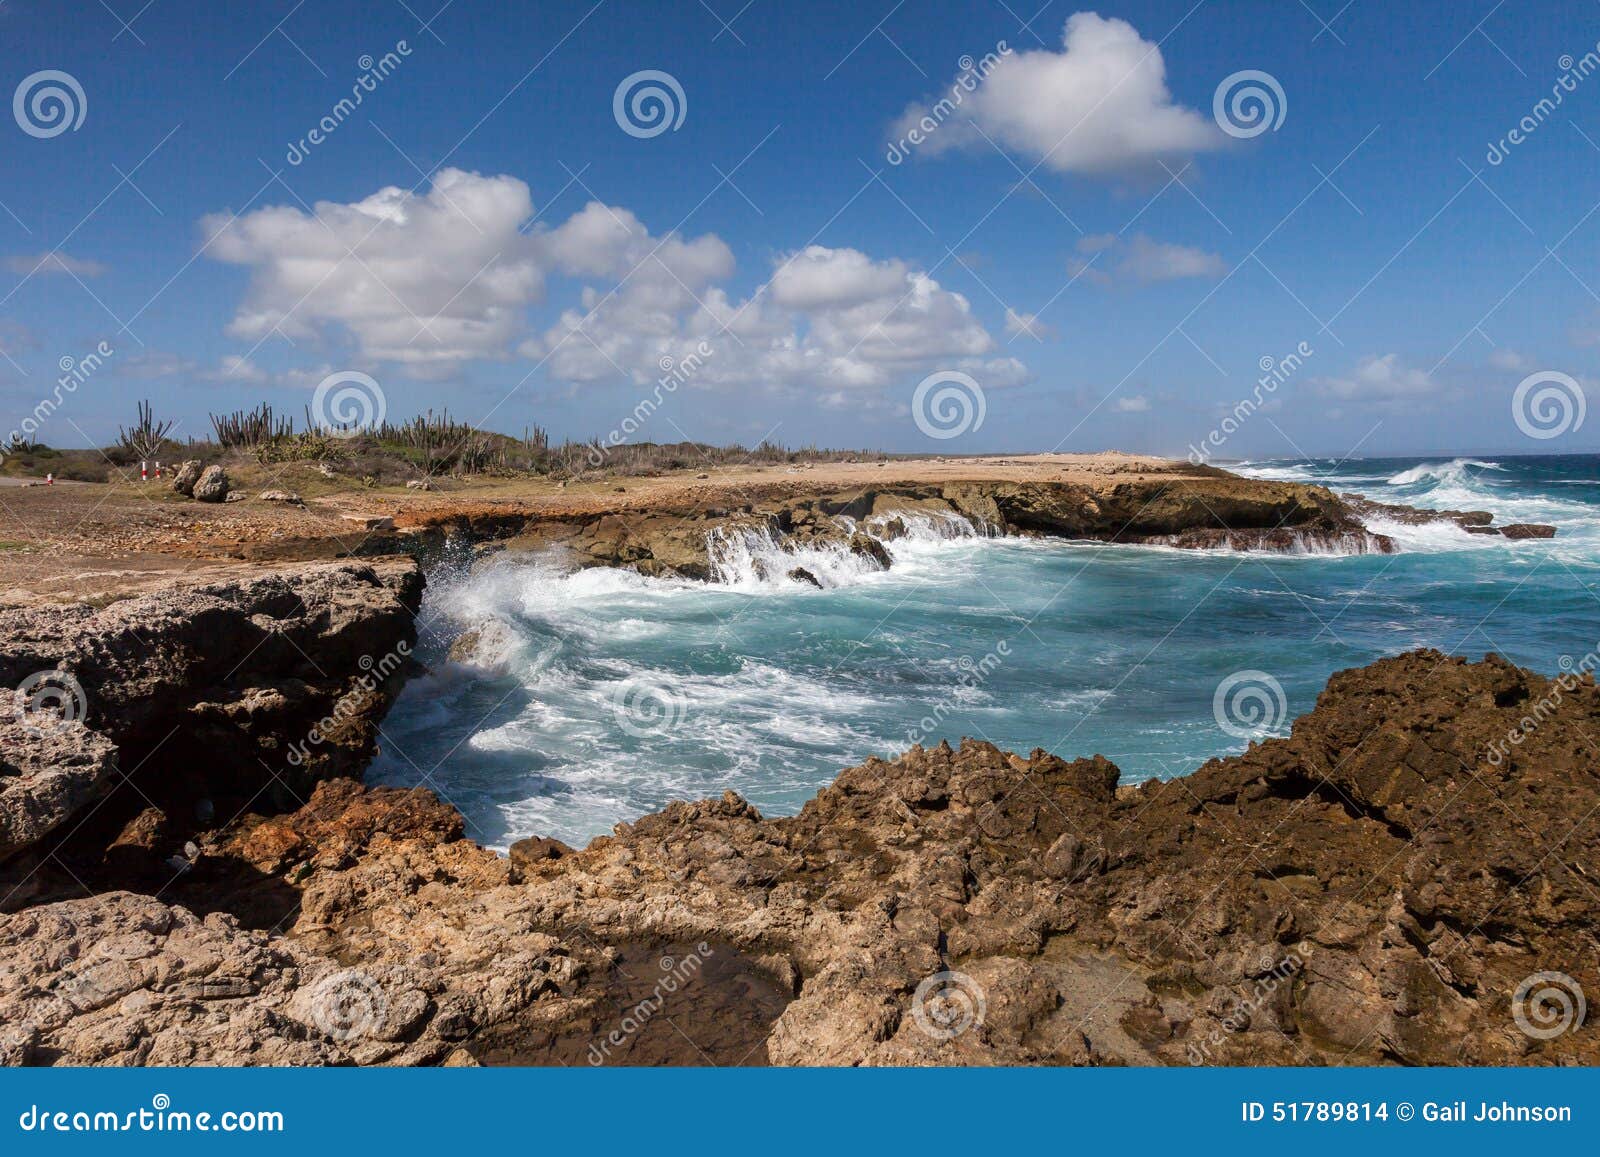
column 212, row 485
column 48, row 772
column 186, row 477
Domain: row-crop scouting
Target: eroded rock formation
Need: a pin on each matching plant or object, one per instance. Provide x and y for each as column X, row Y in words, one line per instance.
column 196, row 703
column 1377, row 887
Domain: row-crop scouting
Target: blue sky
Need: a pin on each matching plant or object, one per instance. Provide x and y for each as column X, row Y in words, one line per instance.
column 1078, row 241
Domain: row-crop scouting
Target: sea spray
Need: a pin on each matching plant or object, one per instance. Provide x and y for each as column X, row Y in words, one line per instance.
column 1110, row 649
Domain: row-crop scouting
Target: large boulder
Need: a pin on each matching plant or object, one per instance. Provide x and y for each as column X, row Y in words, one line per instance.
column 188, row 474
column 213, row 485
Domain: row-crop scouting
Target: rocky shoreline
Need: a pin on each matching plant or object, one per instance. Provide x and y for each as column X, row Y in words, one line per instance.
column 1374, row 889
column 191, row 872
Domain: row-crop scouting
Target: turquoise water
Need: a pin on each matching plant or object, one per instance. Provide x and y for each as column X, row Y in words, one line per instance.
column 617, row 694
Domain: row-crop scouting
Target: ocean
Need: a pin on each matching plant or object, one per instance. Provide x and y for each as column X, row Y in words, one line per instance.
column 617, row 694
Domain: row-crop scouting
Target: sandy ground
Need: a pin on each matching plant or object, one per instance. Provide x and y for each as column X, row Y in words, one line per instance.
column 97, row 542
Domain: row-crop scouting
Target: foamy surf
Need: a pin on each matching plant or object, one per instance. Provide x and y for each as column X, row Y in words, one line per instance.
column 609, row 694
column 757, row 558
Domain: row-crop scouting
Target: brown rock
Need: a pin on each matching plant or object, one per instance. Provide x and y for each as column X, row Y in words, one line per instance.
column 186, row 477
column 212, row 485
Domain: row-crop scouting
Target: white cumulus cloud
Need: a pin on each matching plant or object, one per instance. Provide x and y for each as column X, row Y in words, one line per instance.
column 827, row 318
column 427, row 282
column 433, row 281
column 1382, row 380
column 1146, row 259
column 1101, row 105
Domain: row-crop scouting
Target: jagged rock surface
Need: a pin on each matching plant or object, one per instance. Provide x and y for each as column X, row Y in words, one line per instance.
column 1373, row 888
column 205, row 697
column 1201, row 509
column 212, row 486
column 47, row 775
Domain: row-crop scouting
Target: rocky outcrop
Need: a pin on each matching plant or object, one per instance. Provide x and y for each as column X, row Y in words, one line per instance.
column 186, row 477
column 209, row 700
column 47, row 775
column 1201, row 508
column 1471, row 521
column 212, row 485
column 123, row 979
column 1398, row 881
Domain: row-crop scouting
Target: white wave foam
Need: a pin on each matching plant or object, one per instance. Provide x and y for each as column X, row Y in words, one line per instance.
column 1456, row 470
column 756, row 558
column 1430, row 537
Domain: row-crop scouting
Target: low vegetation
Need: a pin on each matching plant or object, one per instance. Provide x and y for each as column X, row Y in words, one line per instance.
column 425, row 446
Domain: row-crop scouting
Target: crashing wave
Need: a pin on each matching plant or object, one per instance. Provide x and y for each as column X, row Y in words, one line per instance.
column 1456, row 470
column 760, row 556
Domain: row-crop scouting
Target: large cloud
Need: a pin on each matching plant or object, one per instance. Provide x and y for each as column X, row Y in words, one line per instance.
column 431, row 282
column 424, row 281
column 1101, row 105
column 830, row 319
column 1383, row 381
